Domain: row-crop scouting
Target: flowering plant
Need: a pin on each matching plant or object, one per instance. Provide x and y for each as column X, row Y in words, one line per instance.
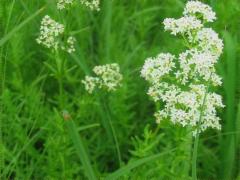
column 181, row 84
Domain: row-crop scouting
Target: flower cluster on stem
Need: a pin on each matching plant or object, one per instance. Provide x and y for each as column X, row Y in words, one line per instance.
column 62, row 4
column 180, row 84
column 108, row 77
column 93, row 5
column 51, row 35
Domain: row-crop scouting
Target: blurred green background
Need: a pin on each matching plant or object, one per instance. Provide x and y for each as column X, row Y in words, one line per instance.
column 114, row 135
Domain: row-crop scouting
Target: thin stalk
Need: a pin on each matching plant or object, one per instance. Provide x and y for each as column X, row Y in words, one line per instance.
column 80, row 150
column 196, row 140
column 109, row 125
column 188, row 151
column 59, row 76
column 60, row 86
column 18, row 27
column 1, row 109
column 2, row 79
column 114, row 136
column 60, row 66
column 107, row 28
column 194, row 157
column 1, row 112
column 116, row 143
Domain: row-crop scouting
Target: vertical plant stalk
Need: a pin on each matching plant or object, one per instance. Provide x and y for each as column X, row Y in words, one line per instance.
column 59, row 76
column 188, row 146
column 3, row 34
column 2, row 76
column 116, row 143
column 114, row 136
column 196, row 140
column 107, row 27
column 228, row 155
column 194, row 157
column 18, row 27
column 80, row 150
column 1, row 108
column 107, row 124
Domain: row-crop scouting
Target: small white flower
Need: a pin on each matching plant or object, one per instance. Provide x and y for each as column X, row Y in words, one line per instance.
column 160, row 115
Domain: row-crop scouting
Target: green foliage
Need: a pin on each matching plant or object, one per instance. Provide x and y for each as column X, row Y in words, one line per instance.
column 109, row 135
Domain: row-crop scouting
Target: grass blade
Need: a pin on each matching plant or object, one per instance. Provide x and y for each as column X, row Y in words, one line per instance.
column 14, row 30
column 238, row 135
column 12, row 163
column 88, row 126
column 125, row 169
column 228, row 154
column 81, row 152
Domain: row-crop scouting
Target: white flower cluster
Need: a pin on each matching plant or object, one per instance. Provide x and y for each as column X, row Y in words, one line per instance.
column 69, row 47
column 198, row 8
column 90, row 83
column 195, row 15
column 181, row 84
column 155, row 68
column 182, row 25
column 62, row 4
column 91, row 4
column 51, row 33
column 108, row 77
column 208, row 40
column 184, row 106
column 197, row 65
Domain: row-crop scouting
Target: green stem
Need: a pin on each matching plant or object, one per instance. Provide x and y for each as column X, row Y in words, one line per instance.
column 114, row 134
column 196, row 140
column 59, row 75
column 2, row 79
column 116, row 143
column 188, row 151
column 1, row 110
column 194, row 158
column 80, row 150
column 61, row 100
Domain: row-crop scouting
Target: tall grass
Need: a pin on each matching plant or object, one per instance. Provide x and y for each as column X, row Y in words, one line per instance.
column 229, row 154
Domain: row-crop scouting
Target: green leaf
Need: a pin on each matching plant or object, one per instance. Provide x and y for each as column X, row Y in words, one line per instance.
column 14, row 30
column 125, row 169
column 80, row 149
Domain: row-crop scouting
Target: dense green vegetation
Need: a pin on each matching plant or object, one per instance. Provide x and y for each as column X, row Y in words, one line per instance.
column 76, row 135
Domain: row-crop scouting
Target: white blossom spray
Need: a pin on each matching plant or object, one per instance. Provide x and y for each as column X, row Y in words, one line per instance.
column 182, row 84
